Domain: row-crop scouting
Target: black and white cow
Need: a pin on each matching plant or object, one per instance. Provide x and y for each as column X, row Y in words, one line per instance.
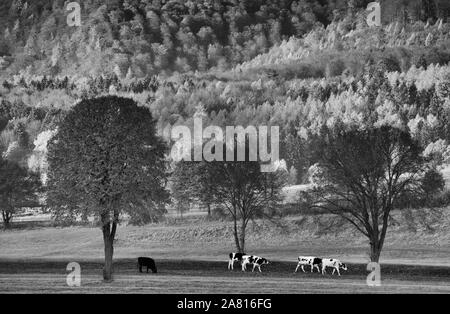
column 147, row 262
column 255, row 260
column 333, row 263
column 234, row 257
column 312, row 261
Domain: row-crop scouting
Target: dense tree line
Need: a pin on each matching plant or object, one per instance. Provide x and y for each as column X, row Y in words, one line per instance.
column 415, row 100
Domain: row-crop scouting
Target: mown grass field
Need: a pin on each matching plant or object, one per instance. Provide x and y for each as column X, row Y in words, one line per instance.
column 192, row 258
column 187, row 277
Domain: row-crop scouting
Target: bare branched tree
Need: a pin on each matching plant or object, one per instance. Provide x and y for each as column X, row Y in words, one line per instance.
column 238, row 187
column 365, row 173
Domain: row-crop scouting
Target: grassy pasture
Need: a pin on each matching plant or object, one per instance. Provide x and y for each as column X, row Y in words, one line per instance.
column 187, row 276
column 192, row 258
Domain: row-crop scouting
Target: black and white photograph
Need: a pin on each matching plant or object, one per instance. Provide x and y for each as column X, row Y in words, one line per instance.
column 240, row 149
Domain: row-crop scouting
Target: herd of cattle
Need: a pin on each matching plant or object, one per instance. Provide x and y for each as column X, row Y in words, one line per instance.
column 314, row 262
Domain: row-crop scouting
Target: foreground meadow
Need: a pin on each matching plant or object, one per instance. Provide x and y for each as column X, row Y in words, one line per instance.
column 183, row 276
column 192, row 254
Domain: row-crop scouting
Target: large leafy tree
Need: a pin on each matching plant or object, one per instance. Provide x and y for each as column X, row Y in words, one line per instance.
column 106, row 160
column 19, row 188
column 365, row 172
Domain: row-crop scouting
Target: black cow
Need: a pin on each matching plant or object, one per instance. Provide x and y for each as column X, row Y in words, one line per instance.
column 147, row 262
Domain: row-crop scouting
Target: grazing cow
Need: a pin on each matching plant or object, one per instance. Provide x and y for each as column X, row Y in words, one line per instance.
column 255, row 260
column 234, row 257
column 334, row 263
column 147, row 262
column 314, row 262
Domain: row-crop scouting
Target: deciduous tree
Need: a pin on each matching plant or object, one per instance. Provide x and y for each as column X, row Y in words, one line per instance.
column 106, row 160
column 238, row 187
column 366, row 173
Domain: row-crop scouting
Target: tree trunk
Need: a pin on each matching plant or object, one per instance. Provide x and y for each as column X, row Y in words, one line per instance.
column 236, row 237
column 209, row 209
column 375, row 251
column 108, row 239
column 378, row 237
column 242, row 237
column 108, row 268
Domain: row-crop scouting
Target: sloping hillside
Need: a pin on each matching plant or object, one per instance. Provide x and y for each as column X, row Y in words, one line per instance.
column 139, row 38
